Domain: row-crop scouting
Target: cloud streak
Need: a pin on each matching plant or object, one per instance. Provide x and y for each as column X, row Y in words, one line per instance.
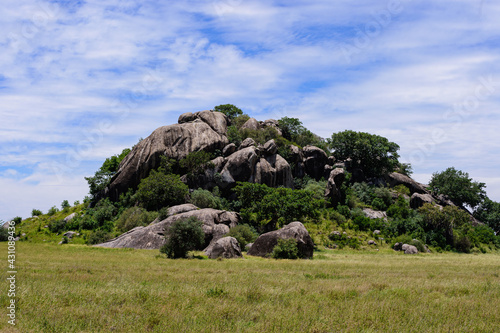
column 80, row 81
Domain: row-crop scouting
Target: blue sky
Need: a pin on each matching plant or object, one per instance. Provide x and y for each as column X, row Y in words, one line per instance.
column 82, row 80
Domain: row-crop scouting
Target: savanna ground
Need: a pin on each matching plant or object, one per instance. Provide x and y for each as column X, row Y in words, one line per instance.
column 76, row 288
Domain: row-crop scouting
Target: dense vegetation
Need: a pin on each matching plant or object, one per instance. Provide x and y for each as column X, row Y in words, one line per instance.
column 262, row 208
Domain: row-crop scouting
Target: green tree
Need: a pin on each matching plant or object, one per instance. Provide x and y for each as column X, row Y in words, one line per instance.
column 183, row 236
column 229, row 110
column 374, row 154
column 159, row 190
column 205, row 199
column 457, row 185
column 291, row 128
column 488, row 212
column 36, row 212
column 65, row 204
column 102, row 177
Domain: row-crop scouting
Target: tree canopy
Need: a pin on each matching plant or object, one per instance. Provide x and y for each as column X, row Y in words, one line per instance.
column 457, row 185
column 229, row 110
column 374, row 154
column 106, row 171
column 488, row 212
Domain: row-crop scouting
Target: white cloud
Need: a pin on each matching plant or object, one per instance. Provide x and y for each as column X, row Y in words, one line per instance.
column 68, row 68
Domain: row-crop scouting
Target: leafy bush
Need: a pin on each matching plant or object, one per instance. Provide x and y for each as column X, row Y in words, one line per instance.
column 274, row 207
column 36, row 212
column 194, row 163
column 133, row 217
column 400, row 209
column 57, row 226
column 17, row 219
column 244, row 234
column 183, row 236
column 160, row 190
column 316, row 187
column 419, row 245
column 402, row 189
column 342, row 240
column 53, row 210
column 489, row 212
column 102, row 177
column 65, row 204
column 205, row 199
column 98, row 237
column 4, row 234
column 286, row 249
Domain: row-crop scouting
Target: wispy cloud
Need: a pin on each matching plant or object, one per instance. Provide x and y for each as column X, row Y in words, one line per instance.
column 80, row 81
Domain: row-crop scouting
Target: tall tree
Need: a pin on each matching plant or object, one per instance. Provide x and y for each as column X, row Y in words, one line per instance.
column 374, row 154
column 457, row 185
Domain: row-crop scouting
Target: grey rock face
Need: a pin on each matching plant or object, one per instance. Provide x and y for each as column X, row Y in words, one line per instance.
column 251, row 123
column 315, row 160
column 216, row 223
column 395, row 179
column 205, row 132
column 417, row 200
column 337, row 177
column 409, row 249
column 265, row 244
column 226, row 247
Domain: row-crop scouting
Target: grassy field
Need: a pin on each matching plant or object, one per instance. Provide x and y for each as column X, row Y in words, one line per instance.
column 75, row 288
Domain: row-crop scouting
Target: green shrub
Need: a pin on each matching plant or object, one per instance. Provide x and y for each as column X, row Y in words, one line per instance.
column 133, row 217
column 244, row 234
column 159, row 190
column 419, row 245
column 378, row 204
column 286, row 249
column 36, row 212
column 65, row 204
column 98, row 237
column 53, row 210
column 57, row 226
column 316, row 187
column 205, row 199
column 4, row 234
column 402, row 189
column 17, row 219
column 183, row 236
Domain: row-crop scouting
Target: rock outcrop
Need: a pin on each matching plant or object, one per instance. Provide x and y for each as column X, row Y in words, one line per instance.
column 265, row 243
column 203, row 130
column 374, row 214
column 216, row 223
column 315, row 160
column 417, row 200
column 395, row 179
column 335, row 181
column 226, row 247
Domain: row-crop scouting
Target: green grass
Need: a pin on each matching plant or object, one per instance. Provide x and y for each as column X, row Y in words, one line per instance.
column 75, row 288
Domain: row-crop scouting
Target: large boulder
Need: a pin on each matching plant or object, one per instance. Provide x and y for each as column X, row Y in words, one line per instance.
column 395, row 179
column 206, row 132
column 69, row 217
column 226, row 247
column 251, row 123
column 248, row 165
column 335, row 181
column 296, row 157
column 216, row 223
column 265, row 243
column 374, row 214
column 409, row 249
column 272, row 123
column 315, row 160
column 417, row 200
column 216, row 120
